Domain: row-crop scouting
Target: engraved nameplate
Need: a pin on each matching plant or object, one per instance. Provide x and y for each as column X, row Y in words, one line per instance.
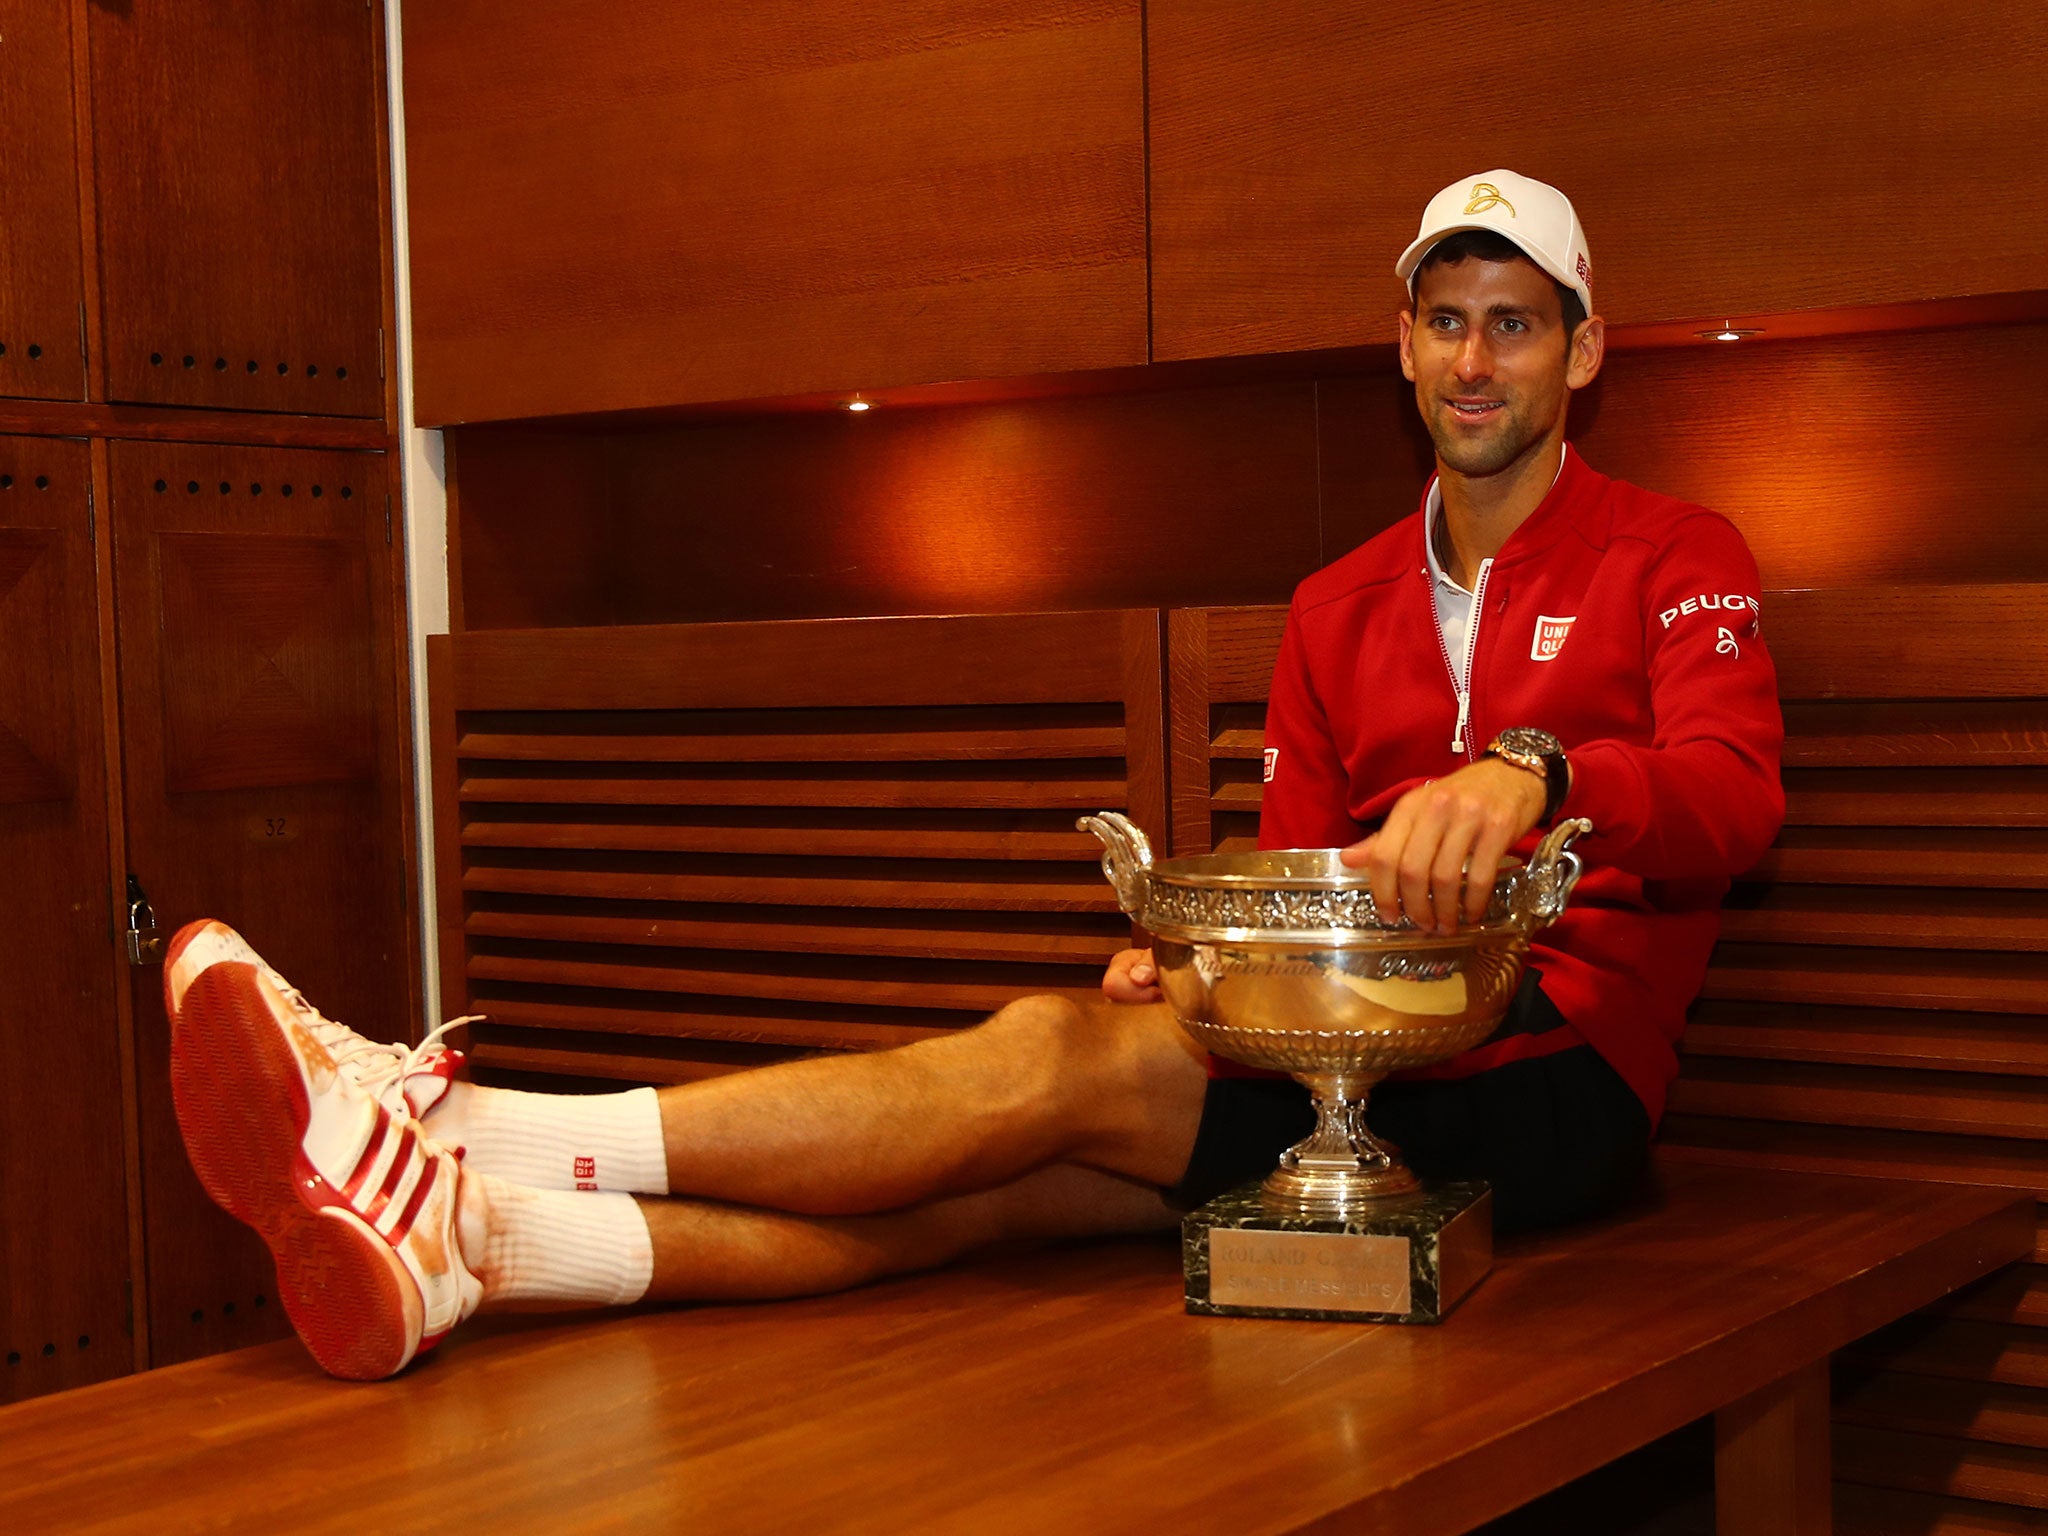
column 1315, row 1271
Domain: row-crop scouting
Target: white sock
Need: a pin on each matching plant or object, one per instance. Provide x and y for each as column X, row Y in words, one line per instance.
column 556, row 1140
column 564, row 1246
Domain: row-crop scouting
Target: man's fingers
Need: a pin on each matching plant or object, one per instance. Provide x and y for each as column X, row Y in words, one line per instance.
column 1383, row 860
column 1122, row 991
column 1416, row 869
column 1484, row 868
column 1130, row 977
column 1447, row 873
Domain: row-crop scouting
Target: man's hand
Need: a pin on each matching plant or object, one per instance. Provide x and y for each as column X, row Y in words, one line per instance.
column 1132, row 978
column 1445, row 838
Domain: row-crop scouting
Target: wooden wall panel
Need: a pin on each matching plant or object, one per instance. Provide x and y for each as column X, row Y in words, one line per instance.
column 1845, row 460
column 63, row 1219
column 238, row 158
column 42, row 284
column 640, row 204
column 531, row 535
column 263, row 748
column 1849, row 460
column 674, row 850
column 1746, row 157
column 1373, row 455
column 1140, row 499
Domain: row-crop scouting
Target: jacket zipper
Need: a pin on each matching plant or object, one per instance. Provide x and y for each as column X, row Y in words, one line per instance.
column 1461, row 676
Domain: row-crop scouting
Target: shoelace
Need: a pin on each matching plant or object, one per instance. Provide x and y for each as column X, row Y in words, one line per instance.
column 379, row 1069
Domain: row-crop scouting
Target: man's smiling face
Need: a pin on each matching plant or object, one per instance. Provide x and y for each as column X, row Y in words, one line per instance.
column 1492, row 365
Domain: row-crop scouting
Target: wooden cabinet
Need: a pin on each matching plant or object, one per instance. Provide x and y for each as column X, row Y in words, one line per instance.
column 1744, row 158
column 239, row 171
column 64, row 1255
column 262, row 745
column 262, row 737
column 202, row 675
column 42, row 291
column 634, row 203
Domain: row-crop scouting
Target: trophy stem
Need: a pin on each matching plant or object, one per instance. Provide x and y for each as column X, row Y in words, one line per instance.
column 1341, row 1167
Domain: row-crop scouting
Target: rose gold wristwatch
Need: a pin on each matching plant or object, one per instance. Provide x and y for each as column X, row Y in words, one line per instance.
column 1540, row 753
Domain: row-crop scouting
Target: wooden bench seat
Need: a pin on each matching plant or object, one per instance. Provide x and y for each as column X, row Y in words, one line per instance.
column 677, row 850
column 1060, row 1391
column 1876, row 1005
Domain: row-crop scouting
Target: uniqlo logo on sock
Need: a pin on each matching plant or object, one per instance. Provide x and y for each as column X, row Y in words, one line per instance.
column 586, row 1167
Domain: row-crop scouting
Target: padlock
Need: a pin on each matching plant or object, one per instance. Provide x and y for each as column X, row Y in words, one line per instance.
column 145, row 946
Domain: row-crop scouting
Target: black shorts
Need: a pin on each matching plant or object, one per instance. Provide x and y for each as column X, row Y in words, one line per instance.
column 1559, row 1137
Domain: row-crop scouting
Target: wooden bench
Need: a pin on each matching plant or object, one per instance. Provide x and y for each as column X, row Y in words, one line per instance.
column 674, row 851
column 1065, row 1390
column 1877, row 1003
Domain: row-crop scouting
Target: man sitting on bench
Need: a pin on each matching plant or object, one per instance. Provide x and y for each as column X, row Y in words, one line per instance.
column 1603, row 639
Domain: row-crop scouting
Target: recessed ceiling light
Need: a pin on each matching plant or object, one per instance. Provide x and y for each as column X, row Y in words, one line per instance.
column 1727, row 332
column 858, row 404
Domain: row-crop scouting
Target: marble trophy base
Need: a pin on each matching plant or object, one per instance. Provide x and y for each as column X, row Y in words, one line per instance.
column 1405, row 1259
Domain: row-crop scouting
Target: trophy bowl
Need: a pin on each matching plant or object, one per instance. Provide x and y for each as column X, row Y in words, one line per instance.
column 1278, row 959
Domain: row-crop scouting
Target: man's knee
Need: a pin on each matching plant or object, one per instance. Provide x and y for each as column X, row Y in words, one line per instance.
column 1110, row 1074
column 1074, row 1041
column 1043, row 1042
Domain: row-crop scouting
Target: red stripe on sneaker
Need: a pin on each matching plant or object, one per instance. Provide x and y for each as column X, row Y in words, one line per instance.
column 412, row 1207
column 368, row 1160
column 407, row 1154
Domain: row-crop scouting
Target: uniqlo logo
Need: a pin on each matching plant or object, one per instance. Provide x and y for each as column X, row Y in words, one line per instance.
column 586, row 1167
column 1549, row 637
column 1272, row 762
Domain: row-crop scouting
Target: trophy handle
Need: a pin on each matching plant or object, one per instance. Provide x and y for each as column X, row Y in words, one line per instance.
column 1546, row 885
column 1126, row 857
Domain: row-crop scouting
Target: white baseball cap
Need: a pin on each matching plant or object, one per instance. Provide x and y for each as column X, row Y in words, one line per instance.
column 1536, row 216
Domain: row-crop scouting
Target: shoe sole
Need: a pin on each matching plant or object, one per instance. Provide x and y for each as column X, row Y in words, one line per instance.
column 344, row 1289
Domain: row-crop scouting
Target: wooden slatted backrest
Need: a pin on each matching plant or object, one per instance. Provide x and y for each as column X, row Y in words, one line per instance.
column 671, row 850
column 1879, row 1000
column 1220, row 667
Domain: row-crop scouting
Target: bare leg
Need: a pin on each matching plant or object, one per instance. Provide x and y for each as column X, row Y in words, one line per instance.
column 728, row 1253
column 1043, row 1081
column 706, row 1252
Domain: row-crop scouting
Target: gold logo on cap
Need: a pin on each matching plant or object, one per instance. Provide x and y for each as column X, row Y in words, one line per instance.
column 1486, row 197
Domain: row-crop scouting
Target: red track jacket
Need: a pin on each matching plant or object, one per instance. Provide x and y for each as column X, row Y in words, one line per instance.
column 1627, row 624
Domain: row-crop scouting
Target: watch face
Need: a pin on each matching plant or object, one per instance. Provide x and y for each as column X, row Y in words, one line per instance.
column 1526, row 738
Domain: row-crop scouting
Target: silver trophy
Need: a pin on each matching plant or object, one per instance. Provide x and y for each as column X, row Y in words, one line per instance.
column 1280, row 960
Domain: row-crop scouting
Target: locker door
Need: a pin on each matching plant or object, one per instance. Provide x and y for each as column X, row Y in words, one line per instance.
column 42, row 291
column 262, row 741
column 63, row 1208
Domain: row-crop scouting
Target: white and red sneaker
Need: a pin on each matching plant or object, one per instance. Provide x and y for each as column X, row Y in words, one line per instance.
column 406, row 1079
column 356, row 1203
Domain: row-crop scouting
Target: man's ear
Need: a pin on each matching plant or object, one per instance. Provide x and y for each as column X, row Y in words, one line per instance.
column 1586, row 351
column 1407, row 321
